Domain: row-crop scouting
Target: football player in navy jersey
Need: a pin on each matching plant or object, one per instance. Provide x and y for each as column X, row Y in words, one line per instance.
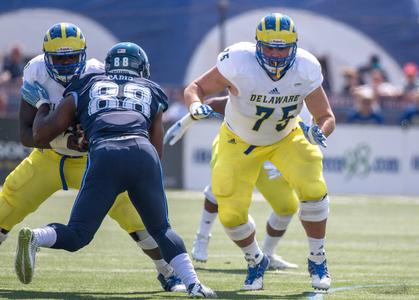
column 120, row 112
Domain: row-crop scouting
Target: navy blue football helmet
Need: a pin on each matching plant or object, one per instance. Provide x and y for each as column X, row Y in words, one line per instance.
column 127, row 58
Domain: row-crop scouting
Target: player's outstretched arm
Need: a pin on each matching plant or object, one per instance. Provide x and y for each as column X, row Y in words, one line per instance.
column 48, row 125
column 319, row 107
column 209, row 83
column 178, row 129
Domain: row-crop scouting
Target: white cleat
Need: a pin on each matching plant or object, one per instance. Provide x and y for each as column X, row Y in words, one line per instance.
column 172, row 283
column 25, row 256
column 197, row 290
column 320, row 277
column 200, row 248
column 278, row 263
column 255, row 272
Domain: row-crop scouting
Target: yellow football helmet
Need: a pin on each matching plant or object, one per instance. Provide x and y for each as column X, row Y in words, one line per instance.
column 64, row 52
column 276, row 31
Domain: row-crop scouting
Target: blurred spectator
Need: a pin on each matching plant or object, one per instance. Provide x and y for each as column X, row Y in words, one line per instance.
column 364, row 112
column 373, row 64
column 13, row 65
column 410, row 116
column 351, row 81
column 410, row 72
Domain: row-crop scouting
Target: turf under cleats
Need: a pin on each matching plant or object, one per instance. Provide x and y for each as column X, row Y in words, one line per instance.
column 278, row 263
column 171, row 283
column 25, row 256
column 255, row 272
column 320, row 278
column 197, row 290
column 200, row 248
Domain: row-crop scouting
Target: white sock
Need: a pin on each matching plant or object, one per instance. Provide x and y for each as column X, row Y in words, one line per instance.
column 207, row 220
column 317, row 251
column 163, row 267
column 45, row 236
column 183, row 267
column 270, row 243
column 252, row 253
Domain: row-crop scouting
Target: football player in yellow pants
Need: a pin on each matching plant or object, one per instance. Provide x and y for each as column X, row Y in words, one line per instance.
column 282, row 199
column 53, row 167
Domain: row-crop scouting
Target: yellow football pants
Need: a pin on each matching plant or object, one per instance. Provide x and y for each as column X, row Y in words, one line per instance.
column 277, row 192
column 235, row 173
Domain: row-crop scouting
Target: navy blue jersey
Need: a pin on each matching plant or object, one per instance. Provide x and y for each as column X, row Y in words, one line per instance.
column 116, row 105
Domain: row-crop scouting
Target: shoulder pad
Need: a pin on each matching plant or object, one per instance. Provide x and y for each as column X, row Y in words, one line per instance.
column 308, row 65
column 233, row 59
column 35, row 69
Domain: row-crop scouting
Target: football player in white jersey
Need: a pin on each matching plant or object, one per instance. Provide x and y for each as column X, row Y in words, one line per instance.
column 55, row 166
column 269, row 183
column 267, row 83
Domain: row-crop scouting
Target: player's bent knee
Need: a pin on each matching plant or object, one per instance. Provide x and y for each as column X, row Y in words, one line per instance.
column 145, row 240
column 279, row 222
column 313, row 190
column 209, row 195
column 232, row 218
column 314, row 210
column 241, row 232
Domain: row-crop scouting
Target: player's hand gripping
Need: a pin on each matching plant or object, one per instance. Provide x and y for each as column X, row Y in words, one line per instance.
column 177, row 130
column 34, row 93
column 200, row 111
column 314, row 134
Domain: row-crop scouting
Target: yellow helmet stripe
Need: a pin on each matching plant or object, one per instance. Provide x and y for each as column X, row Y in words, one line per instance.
column 277, row 22
column 63, row 33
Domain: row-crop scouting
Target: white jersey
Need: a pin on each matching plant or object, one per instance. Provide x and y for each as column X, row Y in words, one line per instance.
column 264, row 110
column 36, row 70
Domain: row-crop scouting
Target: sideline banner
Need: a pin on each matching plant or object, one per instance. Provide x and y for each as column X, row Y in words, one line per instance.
column 358, row 160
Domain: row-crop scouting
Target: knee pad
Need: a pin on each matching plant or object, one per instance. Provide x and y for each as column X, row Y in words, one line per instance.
column 241, row 232
column 209, row 195
column 145, row 240
column 314, row 210
column 279, row 223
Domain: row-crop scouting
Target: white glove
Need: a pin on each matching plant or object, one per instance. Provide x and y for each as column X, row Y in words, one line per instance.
column 35, row 94
column 199, row 110
column 314, row 134
column 177, row 130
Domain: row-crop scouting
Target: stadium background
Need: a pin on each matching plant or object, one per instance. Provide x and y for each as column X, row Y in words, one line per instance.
column 182, row 38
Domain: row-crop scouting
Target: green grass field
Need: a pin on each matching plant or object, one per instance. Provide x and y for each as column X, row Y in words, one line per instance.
column 372, row 248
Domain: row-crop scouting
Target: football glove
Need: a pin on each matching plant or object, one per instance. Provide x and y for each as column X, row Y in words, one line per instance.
column 200, row 111
column 177, row 130
column 35, row 94
column 314, row 134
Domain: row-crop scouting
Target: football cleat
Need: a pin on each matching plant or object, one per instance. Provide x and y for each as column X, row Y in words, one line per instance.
column 320, row 278
column 197, row 290
column 255, row 272
column 200, row 248
column 171, row 283
column 277, row 263
column 25, row 256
